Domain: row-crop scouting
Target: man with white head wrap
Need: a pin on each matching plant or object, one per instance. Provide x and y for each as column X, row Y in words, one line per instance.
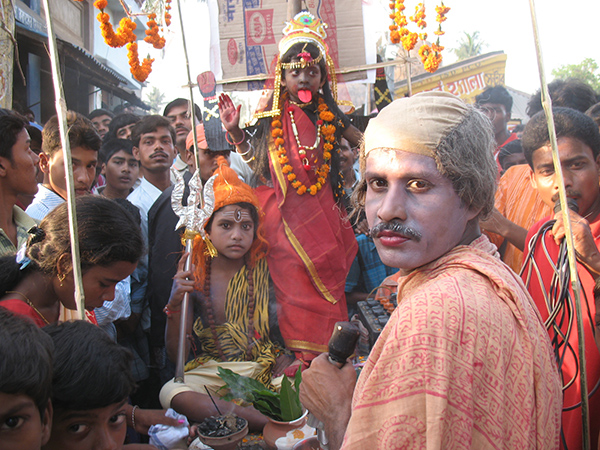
column 464, row 361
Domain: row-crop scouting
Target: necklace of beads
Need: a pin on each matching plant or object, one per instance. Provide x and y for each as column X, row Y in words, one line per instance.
column 211, row 317
column 326, row 129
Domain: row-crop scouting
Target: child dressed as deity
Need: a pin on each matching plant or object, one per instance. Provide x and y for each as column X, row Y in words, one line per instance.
column 231, row 317
column 294, row 151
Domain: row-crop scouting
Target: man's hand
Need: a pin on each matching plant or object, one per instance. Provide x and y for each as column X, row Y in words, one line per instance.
column 510, row 231
column 585, row 246
column 326, row 392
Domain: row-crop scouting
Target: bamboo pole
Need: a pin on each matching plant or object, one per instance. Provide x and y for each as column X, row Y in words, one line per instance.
column 61, row 112
column 575, row 284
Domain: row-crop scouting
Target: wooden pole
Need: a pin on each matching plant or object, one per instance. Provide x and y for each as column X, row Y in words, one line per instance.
column 575, row 284
column 7, row 48
column 293, row 8
column 61, row 112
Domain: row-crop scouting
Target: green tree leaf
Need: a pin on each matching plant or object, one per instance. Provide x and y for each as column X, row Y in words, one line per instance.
column 585, row 71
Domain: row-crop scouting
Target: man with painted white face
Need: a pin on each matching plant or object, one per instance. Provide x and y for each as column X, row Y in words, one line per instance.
column 464, row 361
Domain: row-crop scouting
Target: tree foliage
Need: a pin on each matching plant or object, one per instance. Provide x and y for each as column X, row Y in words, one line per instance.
column 155, row 100
column 469, row 45
column 586, row 71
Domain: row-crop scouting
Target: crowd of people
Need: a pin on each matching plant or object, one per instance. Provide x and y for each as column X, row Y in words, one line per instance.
column 299, row 218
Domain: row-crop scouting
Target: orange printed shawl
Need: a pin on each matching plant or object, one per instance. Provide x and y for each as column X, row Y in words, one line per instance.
column 463, row 363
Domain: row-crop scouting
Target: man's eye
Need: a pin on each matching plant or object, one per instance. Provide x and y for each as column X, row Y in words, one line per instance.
column 11, row 423
column 418, row 185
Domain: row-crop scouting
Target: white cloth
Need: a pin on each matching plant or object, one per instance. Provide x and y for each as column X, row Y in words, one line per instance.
column 144, row 197
column 119, row 308
column 44, row 201
column 166, row 437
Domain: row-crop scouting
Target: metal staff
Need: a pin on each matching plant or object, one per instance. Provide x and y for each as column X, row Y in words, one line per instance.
column 190, row 86
column 61, row 112
column 193, row 218
column 575, row 284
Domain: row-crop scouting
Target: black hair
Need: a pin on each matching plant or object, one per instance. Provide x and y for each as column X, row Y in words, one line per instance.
column 149, row 124
column 498, row 95
column 182, row 102
column 26, row 359
column 570, row 93
column 512, row 148
column 10, row 127
column 133, row 210
column 120, row 121
column 107, row 234
column 567, row 123
column 100, row 112
column 81, row 134
column 35, row 134
column 90, row 369
column 112, row 146
column 594, row 113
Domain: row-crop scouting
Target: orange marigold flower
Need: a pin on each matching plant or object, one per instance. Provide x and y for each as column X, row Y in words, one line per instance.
column 276, row 123
column 301, row 190
column 291, row 176
column 101, row 4
column 313, row 190
column 327, row 116
column 327, row 147
column 283, row 159
column 296, row 184
column 286, row 169
column 279, row 142
column 326, row 155
column 409, row 41
column 277, row 132
column 321, row 180
column 322, row 107
column 395, row 37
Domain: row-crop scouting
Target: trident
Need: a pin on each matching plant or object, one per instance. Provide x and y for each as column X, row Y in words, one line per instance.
column 192, row 217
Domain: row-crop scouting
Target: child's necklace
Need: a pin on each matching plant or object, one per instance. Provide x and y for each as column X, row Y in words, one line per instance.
column 30, row 304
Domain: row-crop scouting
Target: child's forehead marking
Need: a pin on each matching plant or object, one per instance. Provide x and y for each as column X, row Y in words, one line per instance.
column 238, row 215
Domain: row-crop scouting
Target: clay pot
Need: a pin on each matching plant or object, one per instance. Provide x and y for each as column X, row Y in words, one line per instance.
column 274, row 430
column 229, row 442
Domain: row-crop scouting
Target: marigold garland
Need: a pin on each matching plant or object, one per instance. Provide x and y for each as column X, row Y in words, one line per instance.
column 328, row 133
column 431, row 56
column 125, row 36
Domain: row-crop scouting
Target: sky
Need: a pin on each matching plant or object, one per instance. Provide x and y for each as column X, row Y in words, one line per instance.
column 568, row 35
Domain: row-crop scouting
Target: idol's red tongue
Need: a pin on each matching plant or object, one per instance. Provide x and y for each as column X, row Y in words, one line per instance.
column 305, row 95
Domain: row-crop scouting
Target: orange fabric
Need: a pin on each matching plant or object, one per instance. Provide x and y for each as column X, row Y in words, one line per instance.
column 571, row 420
column 311, row 248
column 463, row 363
column 200, row 136
column 520, row 203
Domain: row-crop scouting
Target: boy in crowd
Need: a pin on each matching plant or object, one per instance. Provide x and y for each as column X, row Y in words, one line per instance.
column 119, row 167
column 17, row 177
column 101, row 118
column 121, row 126
column 85, row 144
column 578, row 142
column 91, row 383
column 25, row 383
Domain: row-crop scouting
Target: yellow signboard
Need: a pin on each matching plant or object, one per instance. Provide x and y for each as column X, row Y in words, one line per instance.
column 466, row 78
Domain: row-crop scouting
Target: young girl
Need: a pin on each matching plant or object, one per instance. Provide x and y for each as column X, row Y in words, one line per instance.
column 295, row 153
column 40, row 278
column 230, row 316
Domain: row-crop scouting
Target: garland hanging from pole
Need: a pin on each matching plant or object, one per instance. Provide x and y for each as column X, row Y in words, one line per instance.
column 431, row 55
column 124, row 35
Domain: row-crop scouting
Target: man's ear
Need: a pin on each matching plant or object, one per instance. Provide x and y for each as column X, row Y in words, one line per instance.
column 103, row 169
column 4, row 163
column 44, row 162
column 47, row 423
column 136, row 153
column 532, row 178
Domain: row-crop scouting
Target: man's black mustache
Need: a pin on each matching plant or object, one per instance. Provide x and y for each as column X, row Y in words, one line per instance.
column 570, row 193
column 395, row 227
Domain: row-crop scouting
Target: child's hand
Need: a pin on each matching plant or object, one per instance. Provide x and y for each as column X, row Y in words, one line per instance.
column 230, row 115
column 183, row 282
